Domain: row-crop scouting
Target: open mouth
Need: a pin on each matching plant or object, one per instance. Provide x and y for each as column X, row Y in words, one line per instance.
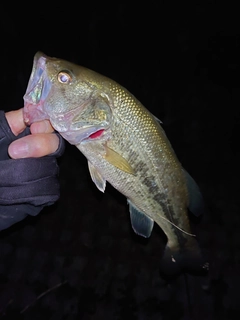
column 37, row 90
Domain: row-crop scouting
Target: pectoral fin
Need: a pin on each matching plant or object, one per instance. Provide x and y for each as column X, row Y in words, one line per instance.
column 141, row 224
column 97, row 178
column 117, row 160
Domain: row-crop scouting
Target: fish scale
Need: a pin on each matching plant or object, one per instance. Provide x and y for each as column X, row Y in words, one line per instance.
column 124, row 144
column 145, row 145
column 155, row 148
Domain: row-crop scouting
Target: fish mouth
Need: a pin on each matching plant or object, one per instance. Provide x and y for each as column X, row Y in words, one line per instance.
column 37, row 90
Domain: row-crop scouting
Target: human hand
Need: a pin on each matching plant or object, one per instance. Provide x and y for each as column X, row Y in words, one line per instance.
column 30, row 183
column 39, row 143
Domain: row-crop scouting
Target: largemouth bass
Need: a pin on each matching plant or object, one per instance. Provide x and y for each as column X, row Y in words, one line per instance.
column 125, row 145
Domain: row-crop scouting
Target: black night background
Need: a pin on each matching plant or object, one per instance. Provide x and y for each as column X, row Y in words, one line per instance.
column 79, row 258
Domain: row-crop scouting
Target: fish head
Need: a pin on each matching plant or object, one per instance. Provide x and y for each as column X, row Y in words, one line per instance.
column 66, row 94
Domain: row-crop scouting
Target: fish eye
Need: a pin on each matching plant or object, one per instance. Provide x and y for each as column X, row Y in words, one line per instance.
column 64, row 77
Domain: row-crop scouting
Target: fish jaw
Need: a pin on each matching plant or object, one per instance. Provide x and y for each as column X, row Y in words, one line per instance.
column 38, row 89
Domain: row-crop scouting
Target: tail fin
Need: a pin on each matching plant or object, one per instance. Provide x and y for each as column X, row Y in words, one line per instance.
column 188, row 259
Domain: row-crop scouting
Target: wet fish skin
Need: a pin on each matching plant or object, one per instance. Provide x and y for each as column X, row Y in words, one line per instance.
column 125, row 145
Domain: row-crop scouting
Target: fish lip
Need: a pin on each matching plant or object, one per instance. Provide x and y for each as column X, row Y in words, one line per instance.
column 39, row 62
column 37, row 90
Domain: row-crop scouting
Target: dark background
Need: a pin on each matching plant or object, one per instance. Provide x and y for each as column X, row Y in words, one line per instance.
column 79, row 259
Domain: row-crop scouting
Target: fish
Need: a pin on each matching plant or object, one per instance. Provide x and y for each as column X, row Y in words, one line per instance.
column 126, row 146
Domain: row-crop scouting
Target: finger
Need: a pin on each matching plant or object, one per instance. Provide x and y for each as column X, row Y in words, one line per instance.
column 34, row 145
column 15, row 121
column 41, row 127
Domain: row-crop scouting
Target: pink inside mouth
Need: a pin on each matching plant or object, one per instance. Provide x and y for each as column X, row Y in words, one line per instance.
column 96, row 134
column 34, row 112
column 26, row 115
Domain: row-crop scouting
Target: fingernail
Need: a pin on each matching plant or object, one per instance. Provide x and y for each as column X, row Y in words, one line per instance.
column 18, row 149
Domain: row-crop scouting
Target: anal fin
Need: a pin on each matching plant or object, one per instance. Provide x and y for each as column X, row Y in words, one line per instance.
column 196, row 203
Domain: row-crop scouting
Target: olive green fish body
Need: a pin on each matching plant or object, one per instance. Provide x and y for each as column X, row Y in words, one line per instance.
column 157, row 186
column 124, row 143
